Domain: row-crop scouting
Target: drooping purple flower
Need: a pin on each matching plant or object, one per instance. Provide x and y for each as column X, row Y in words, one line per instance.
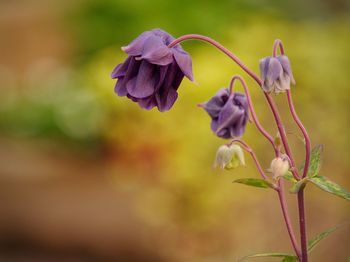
column 152, row 72
column 229, row 113
column 276, row 74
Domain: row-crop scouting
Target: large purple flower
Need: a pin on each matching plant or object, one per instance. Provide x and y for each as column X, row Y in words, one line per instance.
column 276, row 74
column 229, row 113
column 152, row 72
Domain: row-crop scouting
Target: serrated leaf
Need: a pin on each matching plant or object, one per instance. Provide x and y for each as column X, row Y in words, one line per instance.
column 284, row 255
column 254, row 182
column 289, row 176
column 313, row 242
column 330, row 187
column 315, row 161
column 298, row 186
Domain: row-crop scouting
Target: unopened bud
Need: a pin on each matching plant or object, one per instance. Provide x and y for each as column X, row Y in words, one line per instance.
column 279, row 166
column 229, row 157
column 278, row 141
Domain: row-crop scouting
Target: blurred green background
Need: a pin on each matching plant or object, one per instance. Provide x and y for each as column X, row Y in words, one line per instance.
column 89, row 176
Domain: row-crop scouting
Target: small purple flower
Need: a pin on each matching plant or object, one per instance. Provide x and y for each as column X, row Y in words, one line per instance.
column 229, row 113
column 152, row 72
column 276, row 74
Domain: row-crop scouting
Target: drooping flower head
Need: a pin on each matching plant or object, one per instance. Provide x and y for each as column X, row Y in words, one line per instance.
column 152, row 72
column 229, row 157
column 229, row 113
column 276, row 74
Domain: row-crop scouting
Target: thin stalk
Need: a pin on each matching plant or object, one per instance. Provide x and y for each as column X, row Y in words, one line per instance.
column 254, row 76
column 303, row 235
column 247, row 148
column 274, row 111
column 284, row 208
column 301, row 205
column 303, row 130
column 252, row 111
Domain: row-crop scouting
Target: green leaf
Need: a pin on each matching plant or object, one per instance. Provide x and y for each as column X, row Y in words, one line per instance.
column 289, row 176
column 312, row 243
column 284, row 255
column 315, row 161
column 255, row 182
column 298, row 185
column 330, row 187
column 290, row 259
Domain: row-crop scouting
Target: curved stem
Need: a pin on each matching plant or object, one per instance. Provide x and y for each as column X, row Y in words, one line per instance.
column 250, row 104
column 286, row 217
column 254, row 76
column 247, row 148
column 301, row 206
column 275, row 114
column 303, row 130
column 278, row 43
column 282, row 133
column 220, row 47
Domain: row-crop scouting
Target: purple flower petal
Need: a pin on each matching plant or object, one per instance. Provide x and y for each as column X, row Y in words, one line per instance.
column 121, row 69
column 184, row 61
column 156, row 52
column 166, row 100
column 143, row 85
column 284, row 61
column 215, row 104
column 136, row 46
column 166, row 37
column 264, row 64
column 120, row 88
column 147, row 103
column 229, row 114
column 274, row 70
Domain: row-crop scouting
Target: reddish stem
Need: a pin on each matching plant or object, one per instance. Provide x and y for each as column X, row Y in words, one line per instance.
column 301, row 206
column 303, row 130
column 254, row 76
column 278, row 43
column 272, row 106
column 286, row 217
column 247, row 148
column 282, row 200
column 251, row 107
column 303, row 236
column 220, row 47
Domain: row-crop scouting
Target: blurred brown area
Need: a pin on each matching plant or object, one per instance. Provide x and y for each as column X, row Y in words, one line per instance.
column 65, row 210
column 88, row 176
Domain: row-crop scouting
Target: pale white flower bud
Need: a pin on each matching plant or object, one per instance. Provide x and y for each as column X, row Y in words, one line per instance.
column 229, row 157
column 279, row 166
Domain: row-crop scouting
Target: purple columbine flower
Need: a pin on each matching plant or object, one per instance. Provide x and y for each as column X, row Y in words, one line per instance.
column 229, row 113
column 152, row 72
column 276, row 74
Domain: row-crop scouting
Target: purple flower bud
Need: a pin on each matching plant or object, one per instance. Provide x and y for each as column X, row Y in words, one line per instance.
column 152, row 72
column 229, row 113
column 276, row 74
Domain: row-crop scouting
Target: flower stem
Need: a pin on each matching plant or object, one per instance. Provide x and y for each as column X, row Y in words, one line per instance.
column 254, row 76
column 303, row 130
column 251, row 107
column 220, row 47
column 286, row 217
column 247, row 148
column 303, row 236
column 302, row 223
column 280, row 129
column 282, row 133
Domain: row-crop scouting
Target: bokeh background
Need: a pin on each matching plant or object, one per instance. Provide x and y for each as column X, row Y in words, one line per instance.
column 89, row 176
